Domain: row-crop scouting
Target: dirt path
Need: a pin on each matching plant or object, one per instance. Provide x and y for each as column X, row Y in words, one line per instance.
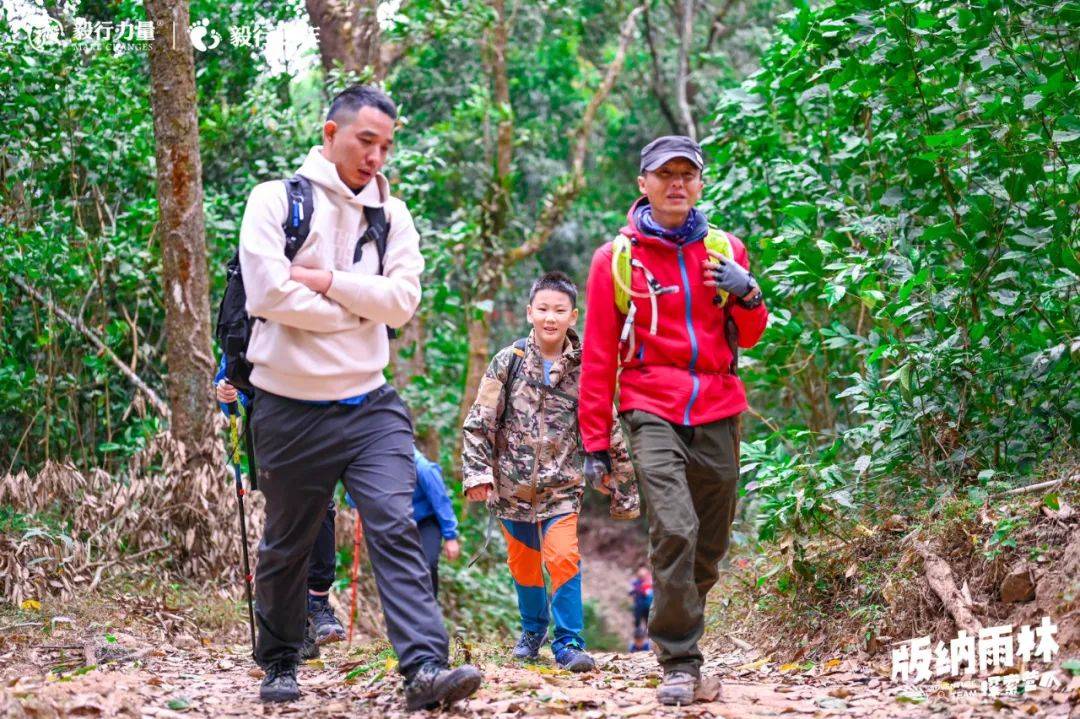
column 610, row 553
column 605, row 584
column 217, row 681
column 146, row 658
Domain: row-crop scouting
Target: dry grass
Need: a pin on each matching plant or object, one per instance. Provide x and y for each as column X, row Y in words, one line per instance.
column 165, row 520
column 165, row 513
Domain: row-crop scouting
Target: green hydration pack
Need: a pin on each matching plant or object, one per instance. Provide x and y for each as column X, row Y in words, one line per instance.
column 622, row 266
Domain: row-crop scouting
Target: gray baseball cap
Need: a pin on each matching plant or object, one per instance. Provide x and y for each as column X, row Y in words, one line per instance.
column 665, row 148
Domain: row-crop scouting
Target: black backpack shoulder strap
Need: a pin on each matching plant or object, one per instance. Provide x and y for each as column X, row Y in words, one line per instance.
column 378, row 229
column 512, row 371
column 297, row 223
column 731, row 333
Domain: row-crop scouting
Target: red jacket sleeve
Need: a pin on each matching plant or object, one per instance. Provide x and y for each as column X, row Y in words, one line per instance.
column 599, row 355
column 751, row 323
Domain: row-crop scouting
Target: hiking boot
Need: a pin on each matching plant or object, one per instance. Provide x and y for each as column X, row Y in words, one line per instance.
column 324, row 623
column 309, row 649
column 677, row 688
column 279, row 684
column 528, row 647
column 434, row 685
column 574, row 659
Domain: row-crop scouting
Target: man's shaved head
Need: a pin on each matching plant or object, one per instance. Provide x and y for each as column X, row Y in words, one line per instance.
column 348, row 102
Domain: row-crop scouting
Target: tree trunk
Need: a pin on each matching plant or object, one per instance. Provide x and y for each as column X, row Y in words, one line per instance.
column 659, row 82
column 504, row 143
column 479, row 338
column 348, row 35
column 492, row 272
column 181, row 230
column 686, row 39
column 412, row 337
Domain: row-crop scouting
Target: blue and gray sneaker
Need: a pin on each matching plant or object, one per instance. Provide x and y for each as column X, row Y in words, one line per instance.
column 528, row 647
column 574, row 659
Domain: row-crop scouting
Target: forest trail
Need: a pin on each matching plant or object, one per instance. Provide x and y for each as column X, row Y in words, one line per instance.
column 163, row 680
column 130, row 655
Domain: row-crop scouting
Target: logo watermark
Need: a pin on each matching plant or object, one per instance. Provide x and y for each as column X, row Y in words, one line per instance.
column 917, row 661
column 42, row 31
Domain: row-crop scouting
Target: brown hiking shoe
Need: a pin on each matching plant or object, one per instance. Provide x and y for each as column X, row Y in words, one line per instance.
column 677, row 689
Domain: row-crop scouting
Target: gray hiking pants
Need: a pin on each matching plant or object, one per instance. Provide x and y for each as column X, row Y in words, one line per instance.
column 303, row 449
column 689, row 476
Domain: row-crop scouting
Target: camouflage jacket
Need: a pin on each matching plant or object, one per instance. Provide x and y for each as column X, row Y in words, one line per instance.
column 535, row 461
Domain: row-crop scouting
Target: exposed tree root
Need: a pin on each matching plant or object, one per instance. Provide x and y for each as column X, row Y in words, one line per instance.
column 940, row 577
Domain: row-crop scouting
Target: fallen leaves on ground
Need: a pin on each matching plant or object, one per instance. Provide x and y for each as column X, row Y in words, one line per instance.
column 206, row 680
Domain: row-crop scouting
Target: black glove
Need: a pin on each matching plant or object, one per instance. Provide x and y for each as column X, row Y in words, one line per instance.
column 597, row 466
column 729, row 275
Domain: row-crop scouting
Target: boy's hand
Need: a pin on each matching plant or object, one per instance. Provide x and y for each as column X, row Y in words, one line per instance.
column 315, row 280
column 598, row 471
column 452, row 548
column 226, row 393
column 479, row 493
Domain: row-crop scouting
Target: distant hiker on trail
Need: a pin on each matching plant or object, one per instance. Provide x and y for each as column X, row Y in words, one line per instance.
column 322, row 408
column 640, row 642
column 670, row 301
column 522, row 455
column 641, row 593
column 433, row 513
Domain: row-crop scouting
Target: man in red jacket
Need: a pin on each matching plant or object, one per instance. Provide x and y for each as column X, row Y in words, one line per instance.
column 679, row 395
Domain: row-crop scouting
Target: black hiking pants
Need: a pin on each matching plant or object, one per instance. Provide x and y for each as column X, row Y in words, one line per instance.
column 689, row 477
column 303, row 450
column 431, row 539
column 322, row 569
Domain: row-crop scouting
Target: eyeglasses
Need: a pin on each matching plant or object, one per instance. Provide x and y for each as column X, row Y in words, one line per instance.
column 668, row 175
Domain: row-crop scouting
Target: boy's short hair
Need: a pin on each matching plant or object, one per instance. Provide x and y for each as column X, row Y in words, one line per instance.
column 558, row 281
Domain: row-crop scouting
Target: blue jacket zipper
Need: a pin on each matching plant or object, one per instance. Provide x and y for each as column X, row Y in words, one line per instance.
column 693, row 338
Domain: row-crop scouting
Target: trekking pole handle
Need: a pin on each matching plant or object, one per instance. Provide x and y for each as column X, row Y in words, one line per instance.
column 234, row 432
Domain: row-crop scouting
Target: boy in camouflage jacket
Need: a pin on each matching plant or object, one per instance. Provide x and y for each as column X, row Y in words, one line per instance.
column 525, row 460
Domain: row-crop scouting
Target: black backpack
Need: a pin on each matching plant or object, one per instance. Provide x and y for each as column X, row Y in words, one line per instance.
column 512, row 371
column 233, row 322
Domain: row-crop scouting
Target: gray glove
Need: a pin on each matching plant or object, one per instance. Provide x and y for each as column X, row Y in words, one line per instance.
column 597, row 464
column 729, row 275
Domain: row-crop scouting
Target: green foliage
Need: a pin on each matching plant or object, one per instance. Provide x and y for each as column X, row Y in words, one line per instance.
column 479, row 600
column 80, row 212
column 905, row 175
column 1003, row 536
column 19, row 526
column 599, row 637
column 71, row 232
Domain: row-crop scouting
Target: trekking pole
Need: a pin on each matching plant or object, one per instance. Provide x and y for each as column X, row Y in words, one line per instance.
column 234, row 436
column 249, row 445
column 354, row 576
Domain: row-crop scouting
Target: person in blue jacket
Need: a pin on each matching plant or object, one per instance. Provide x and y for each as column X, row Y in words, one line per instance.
column 434, row 515
column 432, row 511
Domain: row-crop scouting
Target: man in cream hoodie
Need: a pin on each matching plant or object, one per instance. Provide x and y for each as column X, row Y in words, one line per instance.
column 323, row 410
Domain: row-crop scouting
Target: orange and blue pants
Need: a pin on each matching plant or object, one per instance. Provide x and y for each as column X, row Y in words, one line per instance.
column 550, row 544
